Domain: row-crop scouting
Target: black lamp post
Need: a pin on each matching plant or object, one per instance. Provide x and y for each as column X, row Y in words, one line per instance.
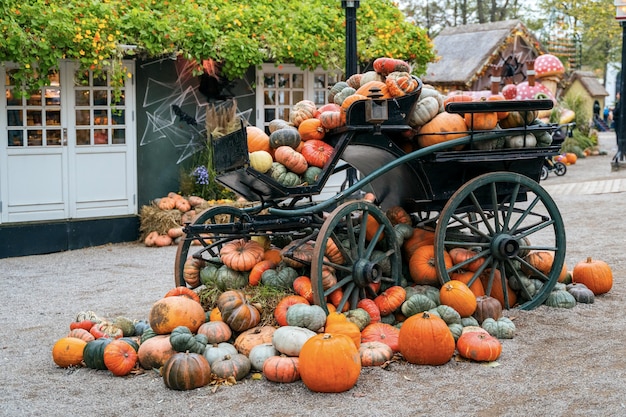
column 351, row 58
column 620, row 15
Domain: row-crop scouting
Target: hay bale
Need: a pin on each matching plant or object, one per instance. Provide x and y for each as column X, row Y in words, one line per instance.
column 153, row 218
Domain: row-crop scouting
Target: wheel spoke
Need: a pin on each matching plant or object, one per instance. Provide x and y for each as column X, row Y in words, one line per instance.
column 510, row 210
column 481, row 213
column 347, row 293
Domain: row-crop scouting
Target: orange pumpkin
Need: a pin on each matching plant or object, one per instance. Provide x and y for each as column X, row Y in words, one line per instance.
column 465, row 277
column 497, row 289
column 302, row 286
column 68, row 351
column 273, row 255
column 457, row 295
column 237, row 312
column 426, row 340
column 481, row 121
column 371, row 308
column 167, row 203
column 596, row 275
column 257, row 139
column 293, row 160
column 365, row 89
column 191, row 271
column 170, row 312
column 456, row 98
column 459, row 255
column 215, row 331
column 381, row 332
column 347, row 328
column 400, row 83
column 333, row 253
column 255, row 336
column 316, row 152
column 183, row 292
column 422, row 266
column 499, row 97
column 335, row 298
column 419, row 238
column 311, row 129
column 257, row 270
column 155, row 351
column 283, row 369
column 390, row 299
column 479, row 346
column 442, row 128
column 241, row 254
column 120, row 357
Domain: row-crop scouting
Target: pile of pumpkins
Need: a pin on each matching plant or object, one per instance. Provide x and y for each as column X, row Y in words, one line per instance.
column 194, row 345
column 295, row 151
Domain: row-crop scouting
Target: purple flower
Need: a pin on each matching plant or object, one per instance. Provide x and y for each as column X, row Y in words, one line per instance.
column 201, row 174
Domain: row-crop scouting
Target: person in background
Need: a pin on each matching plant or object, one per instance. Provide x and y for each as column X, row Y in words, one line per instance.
column 616, row 117
column 605, row 114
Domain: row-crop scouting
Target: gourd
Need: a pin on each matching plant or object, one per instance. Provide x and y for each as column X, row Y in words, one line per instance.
column 285, row 137
column 458, row 296
column 386, row 66
column 596, row 275
column 316, row 153
column 371, row 308
column 341, row 363
column 182, row 340
column 293, row 160
column 257, row 139
column 302, row 286
column 487, row 307
column 171, row 312
column 479, row 347
column 302, row 110
column 336, row 89
column 425, row 339
column 227, row 278
column 581, row 293
column 381, row 332
column 191, row 271
column 416, row 304
column 290, row 339
column 374, row 353
column 311, row 129
column 330, row 119
column 260, row 353
column 68, row 351
column 312, row 317
column 280, row 279
column 247, row 340
column 261, row 161
column 241, row 254
column 155, row 351
column 186, row 371
column 400, row 83
column 503, row 328
column 343, row 94
column 120, row 357
column 235, row 366
column 390, row 299
column 254, row 278
column 520, row 141
column 215, row 331
column 560, row 299
column 236, row 311
column 312, row 175
column 93, row 353
column 218, row 351
column 283, row 369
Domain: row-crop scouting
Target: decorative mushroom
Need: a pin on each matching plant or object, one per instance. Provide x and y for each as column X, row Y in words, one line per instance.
column 548, row 71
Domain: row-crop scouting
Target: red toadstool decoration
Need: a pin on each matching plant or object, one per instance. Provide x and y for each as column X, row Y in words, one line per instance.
column 548, row 71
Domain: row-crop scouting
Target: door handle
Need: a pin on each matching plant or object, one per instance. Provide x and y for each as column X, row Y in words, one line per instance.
column 64, row 136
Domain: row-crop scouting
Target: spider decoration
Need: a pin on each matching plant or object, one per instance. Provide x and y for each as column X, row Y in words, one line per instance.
column 513, row 69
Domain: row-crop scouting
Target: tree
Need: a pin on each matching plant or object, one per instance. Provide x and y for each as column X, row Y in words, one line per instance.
column 36, row 34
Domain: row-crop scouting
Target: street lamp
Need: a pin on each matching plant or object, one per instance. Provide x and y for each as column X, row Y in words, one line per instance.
column 351, row 57
column 620, row 15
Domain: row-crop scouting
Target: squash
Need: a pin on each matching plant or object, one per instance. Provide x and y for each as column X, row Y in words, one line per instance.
column 311, row 129
column 68, row 351
column 518, row 119
column 260, row 353
column 154, row 351
column 186, row 371
column 479, row 347
column 261, row 161
column 560, row 299
column 182, row 340
column 316, row 153
column 290, row 339
column 283, row 369
column 336, row 89
column 366, row 89
column 520, row 141
column 285, row 137
column 241, row 254
column 425, row 339
column 331, row 119
column 215, row 332
column 581, row 293
column 442, row 128
column 293, row 160
column 595, row 274
column 302, row 110
column 416, row 304
column 257, row 139
column 235, row 366
column 375, row 353
column 227, row 278
column 276, row 124
column 386, row 66
column 311, row 175
column 423, row 112
column 170, row 312
column 343, row 94
column 503, row 328
column 250, row 338
column 312, row 317
column 237, row 312
column 400, row 83
column 218, row 351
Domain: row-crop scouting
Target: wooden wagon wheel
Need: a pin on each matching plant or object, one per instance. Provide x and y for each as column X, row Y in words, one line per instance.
column 360, row 267
column 502, row 217
column 209, row 245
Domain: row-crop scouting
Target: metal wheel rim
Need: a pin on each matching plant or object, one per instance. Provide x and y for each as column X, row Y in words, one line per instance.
column 507, row 231
column 208, row 216
column 348, row 219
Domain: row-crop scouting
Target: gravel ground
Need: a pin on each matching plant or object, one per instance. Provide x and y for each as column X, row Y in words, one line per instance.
column 560, row 363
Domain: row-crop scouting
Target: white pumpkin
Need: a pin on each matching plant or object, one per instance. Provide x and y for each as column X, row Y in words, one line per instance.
column 520, row 141
column 261, row 161
column 423, row 112
column 289, row 339
column 260, row 353
column 213, row 353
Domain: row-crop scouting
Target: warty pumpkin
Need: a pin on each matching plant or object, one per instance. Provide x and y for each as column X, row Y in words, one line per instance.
column 442, row 128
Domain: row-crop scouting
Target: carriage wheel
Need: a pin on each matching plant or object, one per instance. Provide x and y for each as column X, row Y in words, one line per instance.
column 344, row 260
column 490, row 216
column 209, row 246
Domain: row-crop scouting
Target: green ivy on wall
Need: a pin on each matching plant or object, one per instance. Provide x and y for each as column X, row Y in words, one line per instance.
column 36, row 34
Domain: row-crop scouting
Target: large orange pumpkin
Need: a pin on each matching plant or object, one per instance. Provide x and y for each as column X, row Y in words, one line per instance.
column 155, row 351
column 170, row 312
column 442, row 128
column 422, row 265
column 457, row 295
column 596, row 275
column 241, row 254
column 257, row 139
column 311, row 129
column 68, row 351
column 419, row 238
column 426, row 340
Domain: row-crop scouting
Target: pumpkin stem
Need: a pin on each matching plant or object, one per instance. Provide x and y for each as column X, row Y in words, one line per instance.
column 588, row 259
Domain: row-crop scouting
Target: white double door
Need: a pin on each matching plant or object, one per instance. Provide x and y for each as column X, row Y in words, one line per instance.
column 67, row 152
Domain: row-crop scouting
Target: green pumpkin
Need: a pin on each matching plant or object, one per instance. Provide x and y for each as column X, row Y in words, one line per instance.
column 312, row 317
column 126, row 324
column 208, row 274
column 560, row 299
column 343, row 94
column 388, row 319
column 130, row 341
column 523, row 285
column 290, row 179
column 456, row 329
column 581, row 293
column 229, row 279
column 182, row 340
column 93, row 354
column 281, row 279
column 469, row 321
column 147, row 334
column 359, row 316
column 312, row 175
column 503, row 328
column 336, row 89
column 416, row 304
column 544, row 138
column 427, row 290
column 448, row 314
column 277, row 171
column 285, row 137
